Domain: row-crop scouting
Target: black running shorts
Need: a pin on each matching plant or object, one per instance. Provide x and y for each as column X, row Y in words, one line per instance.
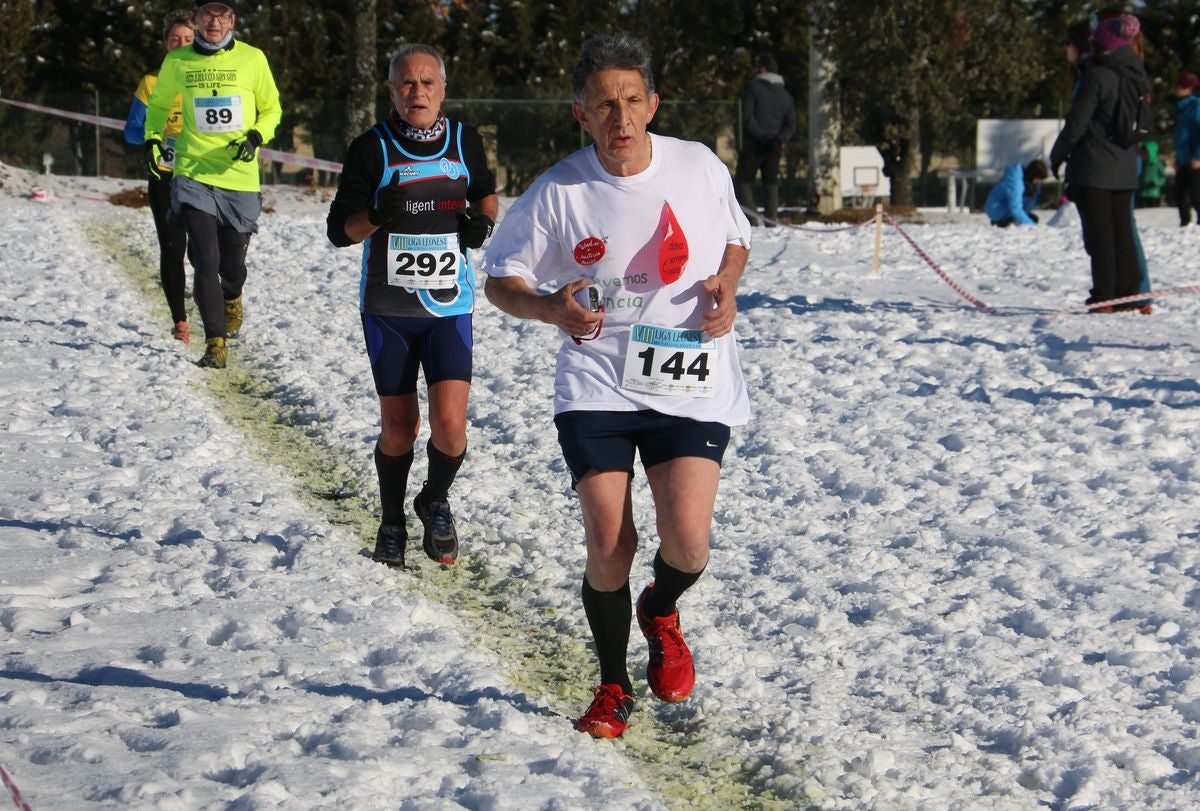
column 606, row 440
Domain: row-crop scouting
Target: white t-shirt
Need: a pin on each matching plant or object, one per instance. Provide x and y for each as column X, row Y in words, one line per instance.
column 578, row 221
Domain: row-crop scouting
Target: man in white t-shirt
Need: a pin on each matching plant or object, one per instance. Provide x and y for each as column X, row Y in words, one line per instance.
column 652, row 226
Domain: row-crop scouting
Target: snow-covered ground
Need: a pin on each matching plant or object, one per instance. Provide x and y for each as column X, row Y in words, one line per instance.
column 956, row 553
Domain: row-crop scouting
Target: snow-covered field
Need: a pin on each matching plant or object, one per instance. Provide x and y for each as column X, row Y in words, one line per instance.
column 956, row 553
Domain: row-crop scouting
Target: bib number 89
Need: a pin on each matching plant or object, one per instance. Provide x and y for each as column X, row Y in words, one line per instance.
column 214, row 117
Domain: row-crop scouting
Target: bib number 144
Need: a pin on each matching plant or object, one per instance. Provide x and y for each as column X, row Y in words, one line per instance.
column 663, row 360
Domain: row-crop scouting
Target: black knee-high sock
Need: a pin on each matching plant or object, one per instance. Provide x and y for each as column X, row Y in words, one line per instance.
column 669, row 584
column 393, row 484
column 442, row 470
column 609, row 614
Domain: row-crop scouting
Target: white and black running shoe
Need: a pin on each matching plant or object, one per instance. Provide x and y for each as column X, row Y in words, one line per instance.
column 390, row 543
column 441, row 539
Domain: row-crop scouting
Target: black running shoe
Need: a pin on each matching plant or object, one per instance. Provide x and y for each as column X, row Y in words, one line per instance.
column 441, row 539
column 390, row 542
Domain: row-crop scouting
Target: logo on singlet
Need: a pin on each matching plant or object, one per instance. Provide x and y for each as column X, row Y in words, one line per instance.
column 589, row 251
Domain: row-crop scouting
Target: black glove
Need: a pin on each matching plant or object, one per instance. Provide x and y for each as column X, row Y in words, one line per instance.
column 473, row 227
column 389, row 205
column 1054, row 167
column 153, row 156
column 1033, row 217
column 245, row 150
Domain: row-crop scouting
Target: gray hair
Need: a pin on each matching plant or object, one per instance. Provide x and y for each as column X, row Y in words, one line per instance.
column 611, row 52
column 411, row 50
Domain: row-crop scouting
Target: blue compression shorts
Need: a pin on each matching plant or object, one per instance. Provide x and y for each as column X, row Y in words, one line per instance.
column 397, row 346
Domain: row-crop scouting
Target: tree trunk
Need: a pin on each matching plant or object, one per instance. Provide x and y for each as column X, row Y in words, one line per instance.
column 902, row 190
column 363, row 79
column 824, row 132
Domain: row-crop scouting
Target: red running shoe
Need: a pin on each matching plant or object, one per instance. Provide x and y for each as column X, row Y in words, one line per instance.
column 671, row 673
column 609, row 714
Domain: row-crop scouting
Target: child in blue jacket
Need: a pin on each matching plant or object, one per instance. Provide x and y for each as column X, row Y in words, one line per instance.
column 1013, row 199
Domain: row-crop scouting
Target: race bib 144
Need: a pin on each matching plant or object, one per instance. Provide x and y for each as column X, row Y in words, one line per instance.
column 665, row 360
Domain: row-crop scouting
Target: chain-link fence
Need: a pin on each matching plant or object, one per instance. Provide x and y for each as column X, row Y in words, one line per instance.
column 523, row 138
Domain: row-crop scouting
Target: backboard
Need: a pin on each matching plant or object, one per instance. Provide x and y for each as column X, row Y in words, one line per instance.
column 1000, row 143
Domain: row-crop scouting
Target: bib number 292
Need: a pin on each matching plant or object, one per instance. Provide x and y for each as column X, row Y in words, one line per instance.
column 423, row 261
column 426, row 264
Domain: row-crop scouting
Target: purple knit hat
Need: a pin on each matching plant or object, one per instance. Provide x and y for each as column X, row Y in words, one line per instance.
column 1116, row 33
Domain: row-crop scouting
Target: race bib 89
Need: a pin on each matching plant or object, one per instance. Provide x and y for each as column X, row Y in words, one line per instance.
column 664, row 360
column 423, row 261
column 218, row 113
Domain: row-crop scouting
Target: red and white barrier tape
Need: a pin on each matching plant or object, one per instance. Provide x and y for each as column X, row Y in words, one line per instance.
column 11, row 785
column 753, row 214
column 331, row 166
column 1140, row 298
column 84, row 117
column 955, row 286
column 43, row 196
column 116, row 124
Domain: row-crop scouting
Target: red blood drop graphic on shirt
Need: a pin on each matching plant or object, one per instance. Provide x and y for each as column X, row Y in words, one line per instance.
column 673, row 253
column 589, row 251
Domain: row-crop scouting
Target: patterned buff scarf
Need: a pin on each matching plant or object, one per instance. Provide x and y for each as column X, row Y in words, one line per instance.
column 416, row 133
column 205, row 47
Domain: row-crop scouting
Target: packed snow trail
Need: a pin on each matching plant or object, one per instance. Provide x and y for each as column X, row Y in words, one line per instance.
column 699, row 759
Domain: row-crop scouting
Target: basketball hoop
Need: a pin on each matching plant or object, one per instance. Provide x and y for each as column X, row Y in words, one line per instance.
column 866, row 181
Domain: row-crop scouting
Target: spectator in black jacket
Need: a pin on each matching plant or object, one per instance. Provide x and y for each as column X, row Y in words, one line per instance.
column 893, row 148
column 768, row 122
column 1101, row 176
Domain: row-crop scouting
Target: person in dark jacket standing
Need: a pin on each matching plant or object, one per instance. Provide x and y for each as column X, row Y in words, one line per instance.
column 1187, row 146
column 768, row 122
column 1102, row 176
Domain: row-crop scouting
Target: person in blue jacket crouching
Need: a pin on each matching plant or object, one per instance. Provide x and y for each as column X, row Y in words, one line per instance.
column 1013, row 199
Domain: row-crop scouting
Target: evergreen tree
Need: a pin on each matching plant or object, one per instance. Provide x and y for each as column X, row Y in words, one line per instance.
column 22, row 44
column 937, row 64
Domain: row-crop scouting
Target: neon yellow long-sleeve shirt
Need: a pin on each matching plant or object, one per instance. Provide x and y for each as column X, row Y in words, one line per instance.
column 224, row 96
